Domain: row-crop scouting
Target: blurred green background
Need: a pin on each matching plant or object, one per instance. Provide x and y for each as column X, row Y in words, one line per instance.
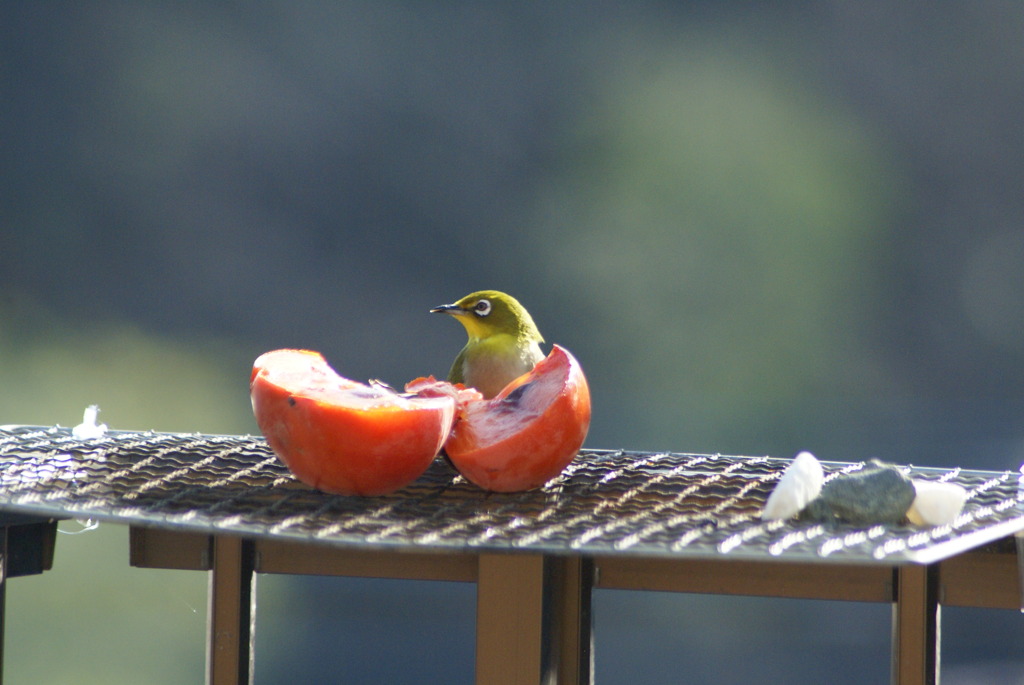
column 761, row 229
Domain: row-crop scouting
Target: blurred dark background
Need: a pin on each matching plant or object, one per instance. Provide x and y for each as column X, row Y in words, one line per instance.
column 761, row 229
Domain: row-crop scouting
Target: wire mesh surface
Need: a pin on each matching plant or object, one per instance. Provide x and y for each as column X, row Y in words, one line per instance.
column 606, row 502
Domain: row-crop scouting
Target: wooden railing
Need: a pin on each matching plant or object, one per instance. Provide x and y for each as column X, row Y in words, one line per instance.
column 615, row 520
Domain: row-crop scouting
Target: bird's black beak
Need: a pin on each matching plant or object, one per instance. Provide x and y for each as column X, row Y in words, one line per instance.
column 447, row 309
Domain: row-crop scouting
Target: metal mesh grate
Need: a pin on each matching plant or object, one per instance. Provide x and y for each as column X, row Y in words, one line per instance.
column 606, row 502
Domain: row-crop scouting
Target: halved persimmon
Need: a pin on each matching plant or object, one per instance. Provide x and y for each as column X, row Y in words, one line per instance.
column 528, row 433
column 342, row 436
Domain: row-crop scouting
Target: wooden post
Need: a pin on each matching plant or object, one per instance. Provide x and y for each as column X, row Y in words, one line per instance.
column 229, row 632
column 4, row 557
column 509, row 610
column 26, row 548
column 915, row 626
column 533, row 620
column 568, row 658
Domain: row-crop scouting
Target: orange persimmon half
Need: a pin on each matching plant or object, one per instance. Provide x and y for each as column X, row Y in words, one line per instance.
column 528, row 433
column 343, row 436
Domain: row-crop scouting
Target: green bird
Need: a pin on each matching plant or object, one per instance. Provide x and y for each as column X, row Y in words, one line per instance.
column 504, row 343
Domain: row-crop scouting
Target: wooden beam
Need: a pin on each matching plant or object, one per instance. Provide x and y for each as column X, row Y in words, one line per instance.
column 764, row 579
column 294, row 557
column 981, row 579
column 169, row 549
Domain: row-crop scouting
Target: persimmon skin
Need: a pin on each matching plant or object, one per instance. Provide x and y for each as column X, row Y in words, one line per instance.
column 501, row 451
column 341, row 436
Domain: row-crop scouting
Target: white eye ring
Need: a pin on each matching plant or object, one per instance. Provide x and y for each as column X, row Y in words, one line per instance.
column 482, row 308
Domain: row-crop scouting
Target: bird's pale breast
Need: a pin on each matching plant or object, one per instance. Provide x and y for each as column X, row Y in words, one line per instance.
column 491, row 371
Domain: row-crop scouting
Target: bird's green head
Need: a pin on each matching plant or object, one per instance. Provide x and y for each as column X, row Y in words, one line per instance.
column 490, row 312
